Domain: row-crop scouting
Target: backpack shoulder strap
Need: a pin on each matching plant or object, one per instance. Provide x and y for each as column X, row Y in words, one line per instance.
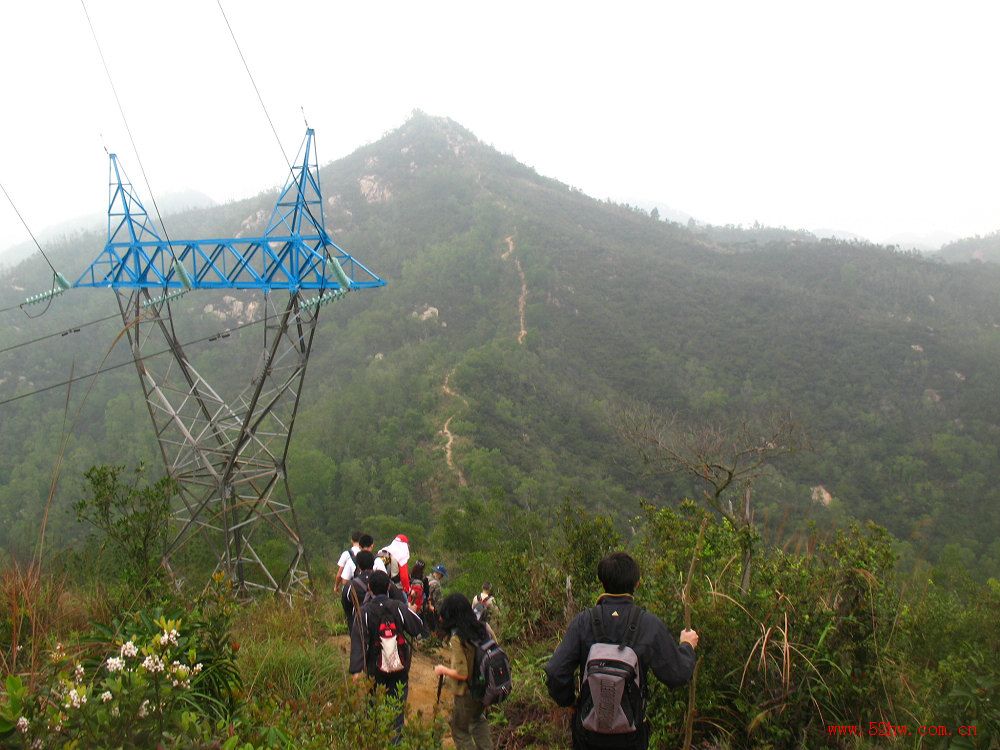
column 632, row 626
column 597, row 622
column 353, row 558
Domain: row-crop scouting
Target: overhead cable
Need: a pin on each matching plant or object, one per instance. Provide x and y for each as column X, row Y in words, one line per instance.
column 225, row 333
column 128, row 130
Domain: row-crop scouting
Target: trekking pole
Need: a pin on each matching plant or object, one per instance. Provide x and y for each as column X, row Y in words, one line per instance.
column 686, row 600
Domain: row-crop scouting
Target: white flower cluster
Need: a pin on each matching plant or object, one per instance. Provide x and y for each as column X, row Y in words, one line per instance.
column 153, row 663
column 22, row 725
column 169, row 638
column 129, row 649
column 78, row 673
column 180, row 675
column 115, row 664
column 106, row 696
column 144, row 709
column 75, row 698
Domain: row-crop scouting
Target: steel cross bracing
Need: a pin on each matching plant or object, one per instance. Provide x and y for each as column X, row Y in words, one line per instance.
column 228, row 456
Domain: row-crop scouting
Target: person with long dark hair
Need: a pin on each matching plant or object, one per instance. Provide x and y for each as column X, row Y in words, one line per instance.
column 469, row 728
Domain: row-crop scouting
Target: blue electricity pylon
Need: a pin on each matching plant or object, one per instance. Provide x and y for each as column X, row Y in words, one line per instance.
column 228, row 456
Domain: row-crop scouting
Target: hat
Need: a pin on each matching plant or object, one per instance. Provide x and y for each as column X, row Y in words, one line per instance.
column 440, row 569
column 402, row 538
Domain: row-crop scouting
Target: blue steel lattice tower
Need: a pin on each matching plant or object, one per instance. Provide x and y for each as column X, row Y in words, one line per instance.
column 228, row 456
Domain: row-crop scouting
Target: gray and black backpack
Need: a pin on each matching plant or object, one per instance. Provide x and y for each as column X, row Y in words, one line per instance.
column 490, row 677
column 611, row 696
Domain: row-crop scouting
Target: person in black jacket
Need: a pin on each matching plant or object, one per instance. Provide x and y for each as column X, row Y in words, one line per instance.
column 385, row 659
column 655, row 648
column 358, row 586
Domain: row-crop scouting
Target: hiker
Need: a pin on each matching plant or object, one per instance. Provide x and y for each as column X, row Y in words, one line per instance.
column 357, row 588
column 345, row 557
column 469, row 727
column 484, row 604
column 393, row 558
column 379, row 644
column 434, row 595
column 418, row 589
column 365, row 542
column 614, row 645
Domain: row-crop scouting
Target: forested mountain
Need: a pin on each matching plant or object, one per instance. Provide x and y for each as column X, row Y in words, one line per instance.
column 520, row 314
column 984, row 249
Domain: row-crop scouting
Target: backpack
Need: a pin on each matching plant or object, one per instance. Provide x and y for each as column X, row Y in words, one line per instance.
column 481, row 609
column 356, row 593
column 388, row 650
column 611, row 697
column 490, row 678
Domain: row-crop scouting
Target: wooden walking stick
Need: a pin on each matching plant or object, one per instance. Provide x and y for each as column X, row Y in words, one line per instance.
column 686, row 600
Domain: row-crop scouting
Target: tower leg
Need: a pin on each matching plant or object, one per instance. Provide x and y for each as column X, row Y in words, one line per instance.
column 228, row 459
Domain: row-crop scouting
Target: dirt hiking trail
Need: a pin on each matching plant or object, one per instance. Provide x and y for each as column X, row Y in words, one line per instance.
column 521, row 300
column 422, row 698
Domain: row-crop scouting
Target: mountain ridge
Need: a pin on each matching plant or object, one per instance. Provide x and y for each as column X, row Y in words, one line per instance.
column 539, row 340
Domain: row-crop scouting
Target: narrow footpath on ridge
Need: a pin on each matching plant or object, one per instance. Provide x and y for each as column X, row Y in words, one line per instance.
column 449, row 437
column 522, row 299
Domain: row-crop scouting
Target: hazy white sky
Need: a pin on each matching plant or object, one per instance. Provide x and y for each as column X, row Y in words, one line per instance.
column 875, row 117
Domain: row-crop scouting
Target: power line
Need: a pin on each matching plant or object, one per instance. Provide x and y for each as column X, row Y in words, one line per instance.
column 30, row 233
column 128, row 130
column 254, row 83
column 270, row 122
column 72, row 329
column 220, row 334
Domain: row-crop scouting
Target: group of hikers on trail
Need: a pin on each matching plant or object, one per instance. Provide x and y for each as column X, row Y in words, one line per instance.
column 600, row 668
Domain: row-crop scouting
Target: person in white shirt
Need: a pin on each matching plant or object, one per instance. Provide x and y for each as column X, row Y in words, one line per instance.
column 347, row 556
column 350, row 568
column 397, row 554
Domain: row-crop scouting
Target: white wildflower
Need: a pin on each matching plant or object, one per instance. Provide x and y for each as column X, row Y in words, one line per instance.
column 78, row 673
column 75, row 698
column 152, row 663
column 115, row 664
column 129, row 649
column 196, row 668
column 22, row 725
column 144, row 709
column 106, row 696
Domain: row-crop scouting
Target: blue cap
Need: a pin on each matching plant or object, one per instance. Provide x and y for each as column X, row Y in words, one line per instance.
column 440, row 569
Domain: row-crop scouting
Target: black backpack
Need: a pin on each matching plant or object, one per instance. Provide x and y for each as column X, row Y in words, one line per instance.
column 490, row 679
column 388, row 649
column 612, row 700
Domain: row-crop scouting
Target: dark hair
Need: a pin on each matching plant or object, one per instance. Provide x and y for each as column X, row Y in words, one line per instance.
column 355, row 536
column 488, row 587
column 618, row 573
column 418, row 570
column 456, row 615
column 366, row 541
column 364, row 560
column 379, row 583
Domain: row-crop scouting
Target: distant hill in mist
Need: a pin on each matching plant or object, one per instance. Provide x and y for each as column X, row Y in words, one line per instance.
column 170, row 203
